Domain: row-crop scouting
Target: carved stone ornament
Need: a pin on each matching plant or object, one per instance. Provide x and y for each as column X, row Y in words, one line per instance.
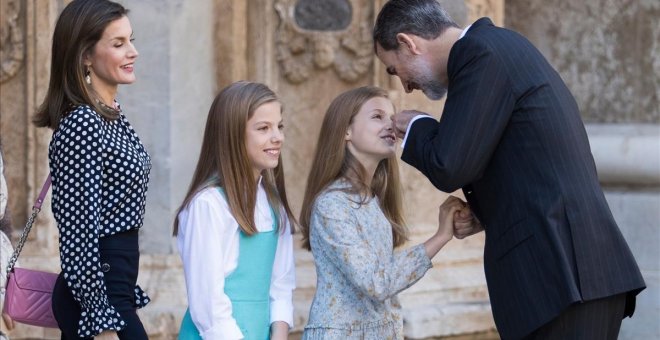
column 348, row 50
column 12, row 45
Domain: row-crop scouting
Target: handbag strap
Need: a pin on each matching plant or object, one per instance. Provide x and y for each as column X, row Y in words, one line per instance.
column 28, row 226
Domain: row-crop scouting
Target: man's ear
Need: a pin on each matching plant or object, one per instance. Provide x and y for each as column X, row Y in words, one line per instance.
column 409, row 43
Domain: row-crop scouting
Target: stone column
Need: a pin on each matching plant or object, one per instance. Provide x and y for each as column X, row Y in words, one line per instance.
column 168, row 105
column 627, row 156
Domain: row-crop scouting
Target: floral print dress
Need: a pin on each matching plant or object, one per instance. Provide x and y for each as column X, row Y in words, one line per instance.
column 358, row 273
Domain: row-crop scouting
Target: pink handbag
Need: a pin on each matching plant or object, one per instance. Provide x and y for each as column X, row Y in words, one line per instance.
column 29, row 293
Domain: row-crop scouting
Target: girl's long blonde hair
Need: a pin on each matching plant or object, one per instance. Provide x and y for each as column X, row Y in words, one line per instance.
column 333, row 160
column 223, row 159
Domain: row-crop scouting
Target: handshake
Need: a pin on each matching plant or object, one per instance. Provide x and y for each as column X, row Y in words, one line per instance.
column 465, row 223
column 455, row 219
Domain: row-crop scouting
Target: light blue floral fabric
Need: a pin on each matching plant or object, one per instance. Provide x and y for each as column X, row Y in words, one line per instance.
column 358, row 274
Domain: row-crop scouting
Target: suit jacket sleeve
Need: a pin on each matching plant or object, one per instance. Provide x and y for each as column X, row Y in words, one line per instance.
column 455, row 151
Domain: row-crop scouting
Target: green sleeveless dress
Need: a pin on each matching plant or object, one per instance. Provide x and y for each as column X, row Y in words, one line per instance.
column 248, row 286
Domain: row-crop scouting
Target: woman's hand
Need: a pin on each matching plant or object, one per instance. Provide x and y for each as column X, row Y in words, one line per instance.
column 8, row 321
column 279, row 330
column 107, row 335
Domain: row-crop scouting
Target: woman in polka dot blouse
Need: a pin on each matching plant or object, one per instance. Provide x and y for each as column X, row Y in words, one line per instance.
column 100, row 172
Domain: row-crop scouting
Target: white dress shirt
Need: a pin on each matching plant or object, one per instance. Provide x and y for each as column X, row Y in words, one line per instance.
column 208, row 241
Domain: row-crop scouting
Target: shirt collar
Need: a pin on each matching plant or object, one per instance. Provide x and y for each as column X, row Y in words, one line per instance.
column 464, row 31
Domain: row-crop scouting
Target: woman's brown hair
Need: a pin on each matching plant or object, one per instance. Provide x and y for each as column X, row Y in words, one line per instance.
column 333, row 160
column 78, row 29
column 223, row 159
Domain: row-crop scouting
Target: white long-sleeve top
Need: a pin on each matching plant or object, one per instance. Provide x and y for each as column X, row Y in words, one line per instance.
column 208, row 241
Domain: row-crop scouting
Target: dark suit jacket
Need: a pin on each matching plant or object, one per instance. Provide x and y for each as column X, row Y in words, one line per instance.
column 511, row 137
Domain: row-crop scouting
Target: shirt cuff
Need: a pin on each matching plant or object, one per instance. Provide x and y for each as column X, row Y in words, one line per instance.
column 97, row 318
column 281, row 311
column 403, row 144
column 223, row 330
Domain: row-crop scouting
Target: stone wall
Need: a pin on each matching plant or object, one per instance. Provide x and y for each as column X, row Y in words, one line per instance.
column 606, row 51
column 25, row 38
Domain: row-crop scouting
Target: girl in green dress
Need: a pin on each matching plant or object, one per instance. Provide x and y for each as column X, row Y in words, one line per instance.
column 234, row 228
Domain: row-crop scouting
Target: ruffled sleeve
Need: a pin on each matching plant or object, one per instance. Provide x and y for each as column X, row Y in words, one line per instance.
column 141, row 298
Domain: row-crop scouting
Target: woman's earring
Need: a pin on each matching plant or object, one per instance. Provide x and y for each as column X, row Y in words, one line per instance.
column 88, row 79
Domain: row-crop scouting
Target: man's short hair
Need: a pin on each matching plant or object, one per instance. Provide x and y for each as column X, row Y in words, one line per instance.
column 423, row 18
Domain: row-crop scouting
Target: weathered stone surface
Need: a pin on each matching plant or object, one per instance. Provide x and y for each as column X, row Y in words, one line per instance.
column 606, row 51
column 302, row 51
column 444, row 320
column 12, row 103
column 25, row 147
column 457, row 10
column 493, row 9
column 12, row 39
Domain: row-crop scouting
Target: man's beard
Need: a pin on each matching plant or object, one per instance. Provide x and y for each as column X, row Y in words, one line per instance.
column 434, row 90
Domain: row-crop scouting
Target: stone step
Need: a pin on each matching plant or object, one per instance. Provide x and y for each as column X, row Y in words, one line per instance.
column 448, row 285
column 441, row 320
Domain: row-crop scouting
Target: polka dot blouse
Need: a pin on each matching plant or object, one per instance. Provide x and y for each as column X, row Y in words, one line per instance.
column 100, row 172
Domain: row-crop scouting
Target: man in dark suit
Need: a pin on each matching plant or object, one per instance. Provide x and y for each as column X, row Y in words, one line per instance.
column 511, row 137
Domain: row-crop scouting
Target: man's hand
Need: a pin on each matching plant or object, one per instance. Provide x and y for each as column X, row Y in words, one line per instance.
column 401, row 120
column 465, row 224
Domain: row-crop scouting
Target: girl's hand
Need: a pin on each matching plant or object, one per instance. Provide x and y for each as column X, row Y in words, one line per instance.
column 107, row 335
column 445, row 226
column 279, row 330
column 449, row 210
